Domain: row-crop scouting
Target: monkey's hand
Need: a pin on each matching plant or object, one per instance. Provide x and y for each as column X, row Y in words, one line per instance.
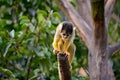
column 55, row 52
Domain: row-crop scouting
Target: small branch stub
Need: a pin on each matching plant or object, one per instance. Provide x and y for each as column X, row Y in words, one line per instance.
column 114, row 49
column 64, row 67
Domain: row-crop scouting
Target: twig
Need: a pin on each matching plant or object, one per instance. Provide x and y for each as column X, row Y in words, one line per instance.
column 28, row 67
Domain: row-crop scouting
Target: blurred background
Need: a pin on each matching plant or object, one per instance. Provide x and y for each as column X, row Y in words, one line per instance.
column 27, row 28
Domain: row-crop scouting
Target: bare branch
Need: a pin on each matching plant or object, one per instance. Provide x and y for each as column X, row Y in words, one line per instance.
column 29, row 67
column 115, row 17
column 64, row 67
column 115, row 48
column 109, row 6
column 82, row 27
column 83, row 72
column 84, row 9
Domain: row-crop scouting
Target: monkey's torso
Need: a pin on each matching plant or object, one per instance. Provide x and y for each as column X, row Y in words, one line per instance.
column 65, row 45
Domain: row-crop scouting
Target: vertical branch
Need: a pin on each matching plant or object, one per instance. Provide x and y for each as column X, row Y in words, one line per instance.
column 84, row 9
column 63, row 67
column 109, row 6
column 28, row 67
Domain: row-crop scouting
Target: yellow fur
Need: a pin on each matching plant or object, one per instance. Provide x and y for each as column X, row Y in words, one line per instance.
column 65, row 46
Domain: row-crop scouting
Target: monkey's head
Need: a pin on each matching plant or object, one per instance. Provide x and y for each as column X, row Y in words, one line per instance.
column 66, row 30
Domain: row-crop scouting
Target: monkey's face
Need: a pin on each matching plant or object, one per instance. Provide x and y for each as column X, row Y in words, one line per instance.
column 66, row 31
column 65, row 35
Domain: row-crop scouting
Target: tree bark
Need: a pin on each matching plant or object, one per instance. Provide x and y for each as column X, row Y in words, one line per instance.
column 109, row 9
column 64, row 67
column 84, row 9
column 98, row 53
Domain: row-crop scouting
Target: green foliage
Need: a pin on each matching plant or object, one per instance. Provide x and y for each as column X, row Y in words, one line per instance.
column 25, row 39
column 27, row 28
column 26, row 34
column 8, row 72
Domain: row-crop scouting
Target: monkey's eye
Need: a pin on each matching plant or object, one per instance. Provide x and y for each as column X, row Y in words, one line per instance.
column 63, row 34
column 67, row 35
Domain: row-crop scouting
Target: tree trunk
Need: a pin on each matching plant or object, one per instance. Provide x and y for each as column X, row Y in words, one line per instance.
column 98, row 54
column 98, row 66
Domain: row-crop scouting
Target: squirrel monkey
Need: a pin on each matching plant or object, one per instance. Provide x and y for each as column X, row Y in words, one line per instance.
column 63, row 40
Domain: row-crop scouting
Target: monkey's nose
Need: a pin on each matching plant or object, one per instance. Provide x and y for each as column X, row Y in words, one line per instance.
column 65, row 37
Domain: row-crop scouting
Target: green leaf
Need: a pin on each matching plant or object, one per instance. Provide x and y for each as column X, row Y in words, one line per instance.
column 118, row 29
column 2, row 22
column 40, row 18
column 31, row 27
column 56, row 14
column 36, row 71
column 24, row 50
column 24, row 19
column 6, row 50
column 40, row 53
column 12, row 33
column 43, row 12
column 10, row 2
column 20, row 34
column 8, row 72
column 1, row 40
column 48, row 23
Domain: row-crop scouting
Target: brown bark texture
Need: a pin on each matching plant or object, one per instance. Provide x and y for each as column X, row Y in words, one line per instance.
column 91, row 20
column 64, row 67
column 98, row 54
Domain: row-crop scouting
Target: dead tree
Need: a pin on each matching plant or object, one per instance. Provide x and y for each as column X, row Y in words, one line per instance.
column 91, row 22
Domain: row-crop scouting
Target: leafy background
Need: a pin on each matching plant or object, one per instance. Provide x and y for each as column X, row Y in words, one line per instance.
column 27, row 28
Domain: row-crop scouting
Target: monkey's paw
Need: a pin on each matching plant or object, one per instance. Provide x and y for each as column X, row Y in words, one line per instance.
column 63, row 53
column 55, row 52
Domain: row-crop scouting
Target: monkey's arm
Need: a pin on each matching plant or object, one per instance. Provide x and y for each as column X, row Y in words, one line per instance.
column 66, row 45
column 55, row 44
column 56, row 39
column 71, row 50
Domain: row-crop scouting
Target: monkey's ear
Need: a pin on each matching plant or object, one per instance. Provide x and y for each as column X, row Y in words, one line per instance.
column 74, row 28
